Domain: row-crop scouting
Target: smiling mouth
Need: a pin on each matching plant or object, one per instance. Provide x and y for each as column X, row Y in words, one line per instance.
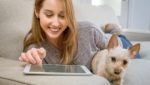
column 54, row 29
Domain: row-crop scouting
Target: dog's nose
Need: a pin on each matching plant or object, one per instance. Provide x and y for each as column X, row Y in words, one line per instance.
column 117, row 71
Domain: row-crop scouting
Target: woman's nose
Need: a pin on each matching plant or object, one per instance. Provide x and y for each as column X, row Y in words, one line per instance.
column 55, row 21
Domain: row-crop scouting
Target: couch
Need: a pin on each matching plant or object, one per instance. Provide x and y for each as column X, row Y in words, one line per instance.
column 15, row 21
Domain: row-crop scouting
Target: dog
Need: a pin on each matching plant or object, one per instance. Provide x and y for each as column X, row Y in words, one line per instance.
column 113, row 61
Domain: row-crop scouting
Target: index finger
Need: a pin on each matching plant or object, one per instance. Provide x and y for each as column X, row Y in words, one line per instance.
column 42, row 52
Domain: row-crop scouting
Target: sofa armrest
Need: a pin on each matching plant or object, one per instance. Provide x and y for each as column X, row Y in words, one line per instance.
column 136, row 35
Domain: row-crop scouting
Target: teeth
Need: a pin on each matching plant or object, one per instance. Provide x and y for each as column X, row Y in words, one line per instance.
column 54, row 29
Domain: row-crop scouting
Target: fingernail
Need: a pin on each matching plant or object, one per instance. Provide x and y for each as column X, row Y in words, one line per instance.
column 20, row 58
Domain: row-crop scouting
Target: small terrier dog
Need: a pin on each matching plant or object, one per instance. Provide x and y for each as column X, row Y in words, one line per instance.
column 112, row 62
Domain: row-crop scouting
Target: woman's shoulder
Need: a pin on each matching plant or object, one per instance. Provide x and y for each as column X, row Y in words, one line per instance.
column 86, row 26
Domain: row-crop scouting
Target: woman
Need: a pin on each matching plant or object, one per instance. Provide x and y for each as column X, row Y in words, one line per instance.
column 56, row 38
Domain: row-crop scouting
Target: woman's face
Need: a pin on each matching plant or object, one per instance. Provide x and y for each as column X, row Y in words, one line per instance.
column 52, row 19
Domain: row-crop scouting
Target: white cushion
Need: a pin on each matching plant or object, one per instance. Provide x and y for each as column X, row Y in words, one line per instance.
column 99, row 15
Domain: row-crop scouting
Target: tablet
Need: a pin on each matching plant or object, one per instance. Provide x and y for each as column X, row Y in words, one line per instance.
column 57, row 69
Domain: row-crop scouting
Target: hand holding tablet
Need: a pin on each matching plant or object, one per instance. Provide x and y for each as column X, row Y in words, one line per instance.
column 57, row 69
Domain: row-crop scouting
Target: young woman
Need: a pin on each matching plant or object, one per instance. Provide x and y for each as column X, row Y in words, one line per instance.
column 56, row 38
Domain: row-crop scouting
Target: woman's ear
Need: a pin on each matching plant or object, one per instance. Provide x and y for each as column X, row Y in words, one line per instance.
column 36, row 14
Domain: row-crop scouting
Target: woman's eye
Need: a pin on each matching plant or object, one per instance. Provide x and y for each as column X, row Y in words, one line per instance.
column 49, row 15
column 61, row 16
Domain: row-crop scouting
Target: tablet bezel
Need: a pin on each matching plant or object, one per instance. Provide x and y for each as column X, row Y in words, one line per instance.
column 28, row 67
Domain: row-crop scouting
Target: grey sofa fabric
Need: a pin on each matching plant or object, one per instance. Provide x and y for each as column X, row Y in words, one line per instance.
column 138, row 72
column 4, row 81
column 15, row 20
column 12, row 72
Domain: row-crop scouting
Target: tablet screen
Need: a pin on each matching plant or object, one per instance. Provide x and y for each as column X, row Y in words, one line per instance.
column 57, row 68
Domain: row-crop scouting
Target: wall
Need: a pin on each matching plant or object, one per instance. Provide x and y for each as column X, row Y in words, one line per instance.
column 132, row 14
column 82, row 1
column 139, row 15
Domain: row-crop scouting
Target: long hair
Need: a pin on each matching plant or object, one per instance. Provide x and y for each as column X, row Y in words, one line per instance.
column 36, row 35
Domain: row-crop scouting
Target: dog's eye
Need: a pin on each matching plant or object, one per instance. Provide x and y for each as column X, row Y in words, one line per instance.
column 125, row 62
column 113, row 59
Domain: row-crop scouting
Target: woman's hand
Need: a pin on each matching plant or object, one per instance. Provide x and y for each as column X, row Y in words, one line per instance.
column 33, row 56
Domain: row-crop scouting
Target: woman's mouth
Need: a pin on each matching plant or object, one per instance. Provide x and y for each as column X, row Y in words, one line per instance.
column 54, row 29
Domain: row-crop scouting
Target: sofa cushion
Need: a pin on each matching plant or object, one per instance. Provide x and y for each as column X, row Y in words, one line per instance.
column 13, row 72
column 138, row 72
column 4, row 81
column 15, row 20
column 99, row 15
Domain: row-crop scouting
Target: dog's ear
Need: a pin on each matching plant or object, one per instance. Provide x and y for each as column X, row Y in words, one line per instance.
column 134, row 50
column 113, row 42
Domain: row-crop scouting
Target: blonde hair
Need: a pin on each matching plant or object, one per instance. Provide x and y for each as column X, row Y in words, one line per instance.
column 36, row 35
